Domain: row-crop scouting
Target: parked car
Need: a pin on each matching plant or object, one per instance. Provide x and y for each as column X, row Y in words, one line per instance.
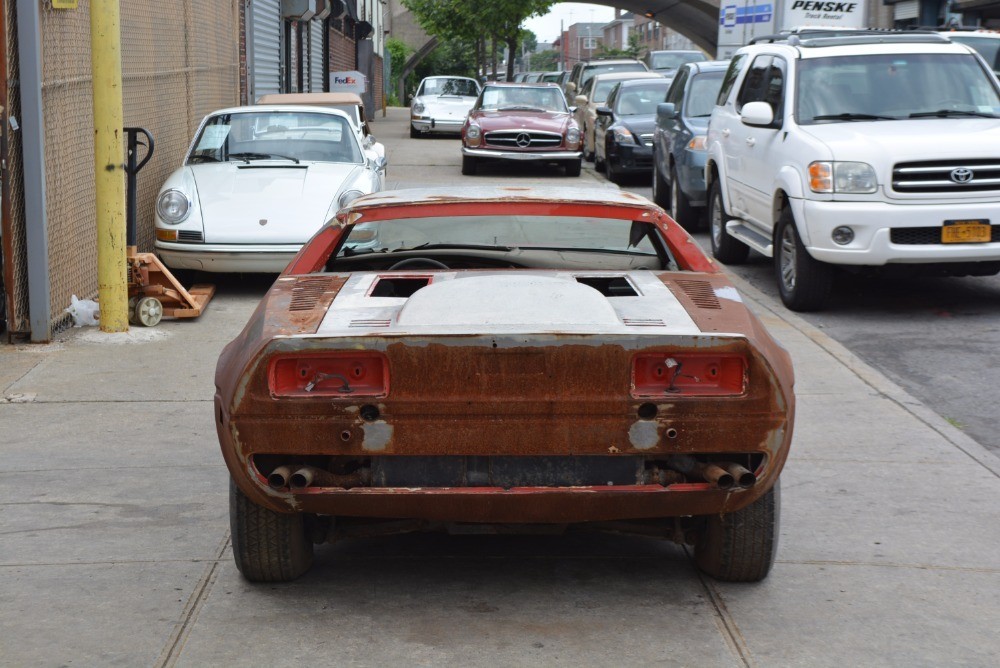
column 669, row 61
column 521, row 122
column 441, row 105
column 679, row 141
column 624, row 133
column 593, row 95
column 504, row 356
column 985, row 42
column 862, row 150
column 584, row 69
column 349, row 103
column 552, row 77
column 256, row 183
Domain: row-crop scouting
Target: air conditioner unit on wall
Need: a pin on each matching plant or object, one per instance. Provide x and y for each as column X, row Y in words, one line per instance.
column 298, row 10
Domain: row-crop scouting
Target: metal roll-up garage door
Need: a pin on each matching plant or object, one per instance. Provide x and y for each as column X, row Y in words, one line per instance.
column 265, row 77
column 316, row 56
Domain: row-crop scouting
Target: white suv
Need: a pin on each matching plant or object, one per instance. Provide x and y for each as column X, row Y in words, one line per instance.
column 856, row 149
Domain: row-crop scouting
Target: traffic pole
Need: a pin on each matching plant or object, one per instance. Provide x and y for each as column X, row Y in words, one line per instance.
column 109, row 170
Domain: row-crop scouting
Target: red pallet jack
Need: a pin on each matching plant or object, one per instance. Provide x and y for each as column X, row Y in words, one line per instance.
column 153, row 291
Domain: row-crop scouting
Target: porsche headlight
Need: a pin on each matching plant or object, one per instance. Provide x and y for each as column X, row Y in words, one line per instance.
column 173, row 207
column 417, row 109
column 347, row 197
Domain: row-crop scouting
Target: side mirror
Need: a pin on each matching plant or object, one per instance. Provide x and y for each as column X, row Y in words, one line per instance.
column 605, row 111
column 409, row 97
column 572, row 109
column 368, row 141
column 570, row 87
column 757, row 114
column 380, row 163
column 666, row 111
column 580, row 100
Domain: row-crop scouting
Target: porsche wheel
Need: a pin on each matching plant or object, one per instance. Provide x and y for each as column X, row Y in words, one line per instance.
column 661, row 189
column 740, row 546
column 680, row 206
column 804, row 282
column 267, row 546
column 724, row 247
column 468, row 165
column 414, row 133
column 573, row 167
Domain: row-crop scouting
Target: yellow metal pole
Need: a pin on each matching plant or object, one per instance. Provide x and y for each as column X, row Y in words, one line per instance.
column 109, row 156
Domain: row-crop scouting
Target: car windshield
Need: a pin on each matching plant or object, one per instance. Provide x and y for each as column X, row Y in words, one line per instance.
column 702, row 92
column 591, row 71
column 672, row 60
column 510, row 233
column 602, row 87
column 533, row 98
column 894, row 86
column 640, row 100
column 463, row 87
column 276, row 135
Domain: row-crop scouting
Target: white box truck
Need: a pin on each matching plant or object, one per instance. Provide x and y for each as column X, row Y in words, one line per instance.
column 742, row 20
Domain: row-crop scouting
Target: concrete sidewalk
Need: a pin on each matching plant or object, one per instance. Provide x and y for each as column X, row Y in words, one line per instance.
column 114, row 529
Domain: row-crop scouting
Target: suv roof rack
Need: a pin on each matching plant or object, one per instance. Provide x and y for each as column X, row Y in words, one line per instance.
column 815, row 37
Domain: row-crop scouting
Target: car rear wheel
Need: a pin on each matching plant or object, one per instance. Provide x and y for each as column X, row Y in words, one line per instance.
column 573, row 167
column 468, row 165
column 740, row 546
column 267, row 546
column 803, row 282
column 724, row 247
column 661, row 189
column 680, row 206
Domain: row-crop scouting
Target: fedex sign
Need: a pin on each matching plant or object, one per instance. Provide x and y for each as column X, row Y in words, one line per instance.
column 348, row 82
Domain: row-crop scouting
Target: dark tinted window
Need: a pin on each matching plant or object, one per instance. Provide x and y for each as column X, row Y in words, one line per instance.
column 731, row 75
column 676, row 92
column 755, row 84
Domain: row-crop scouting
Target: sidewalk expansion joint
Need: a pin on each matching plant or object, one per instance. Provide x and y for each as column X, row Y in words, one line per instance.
column 725, row 622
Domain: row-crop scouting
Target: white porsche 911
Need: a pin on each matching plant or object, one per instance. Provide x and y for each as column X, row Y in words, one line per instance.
column 441, row 105
column 256, row 183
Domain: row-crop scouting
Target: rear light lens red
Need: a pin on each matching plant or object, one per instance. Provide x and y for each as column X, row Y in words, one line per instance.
column 664, row 375
column 340, row 374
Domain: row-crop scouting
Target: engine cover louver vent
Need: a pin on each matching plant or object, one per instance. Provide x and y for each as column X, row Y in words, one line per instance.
column 701, row 293
column 307, row 292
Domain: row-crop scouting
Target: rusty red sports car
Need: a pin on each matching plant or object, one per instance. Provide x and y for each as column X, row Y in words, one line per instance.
column 501, row 357
column 521, row 122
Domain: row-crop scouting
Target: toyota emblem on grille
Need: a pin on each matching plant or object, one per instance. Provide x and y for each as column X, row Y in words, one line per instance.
column 524, row 141
column 962, row 175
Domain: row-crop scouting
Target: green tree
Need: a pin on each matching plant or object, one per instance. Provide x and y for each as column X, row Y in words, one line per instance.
column 544, row 61
column 398, row 53
column 634, row 49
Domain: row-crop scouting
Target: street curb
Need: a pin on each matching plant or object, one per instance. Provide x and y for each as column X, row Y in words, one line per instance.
column 874, row 379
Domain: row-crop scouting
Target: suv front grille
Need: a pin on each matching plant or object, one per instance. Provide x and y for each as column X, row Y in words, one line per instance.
column 947, row 176
column 524, row 139
column 646, row 140
column 919, row 236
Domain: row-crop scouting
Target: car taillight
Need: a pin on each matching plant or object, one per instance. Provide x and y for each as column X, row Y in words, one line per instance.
column 656, row 375
column 340, row 374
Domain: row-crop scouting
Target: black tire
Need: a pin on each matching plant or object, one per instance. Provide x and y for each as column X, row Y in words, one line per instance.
column 468, row 165
column 661, row 189
column 588, row 156
column 740, row 546
column 609, row 168
column 598, row 161
column 803, row 282
column 267, row 546
column 681, row 210
column 414, row 133
column 574, row 167
column 725, row 248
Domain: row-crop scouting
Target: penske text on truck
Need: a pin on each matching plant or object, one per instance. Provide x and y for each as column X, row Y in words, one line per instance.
column 742, row 20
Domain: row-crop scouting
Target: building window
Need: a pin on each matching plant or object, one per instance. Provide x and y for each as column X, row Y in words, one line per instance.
column 589, row 43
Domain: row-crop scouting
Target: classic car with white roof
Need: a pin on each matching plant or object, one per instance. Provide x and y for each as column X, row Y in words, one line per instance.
column 256, row 183
column 441, row 105
column 503, row 357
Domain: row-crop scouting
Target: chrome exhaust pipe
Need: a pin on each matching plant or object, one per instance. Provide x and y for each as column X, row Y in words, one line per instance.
column 708, row 472
column 310, row 476
column 744, row 477
column 278, row 479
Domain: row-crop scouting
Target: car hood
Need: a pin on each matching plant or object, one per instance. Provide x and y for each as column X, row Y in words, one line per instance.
column 548, row 121
column 906, row 140
column 639, row 125
column 446, row 103
column 265, row 202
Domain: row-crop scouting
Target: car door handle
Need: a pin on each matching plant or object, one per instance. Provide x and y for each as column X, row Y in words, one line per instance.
column 725, row 133
column 751, row 141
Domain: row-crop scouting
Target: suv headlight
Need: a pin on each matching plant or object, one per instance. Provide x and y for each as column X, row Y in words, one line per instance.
column 842, row 177
column 624, row 136
column 173, row 206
